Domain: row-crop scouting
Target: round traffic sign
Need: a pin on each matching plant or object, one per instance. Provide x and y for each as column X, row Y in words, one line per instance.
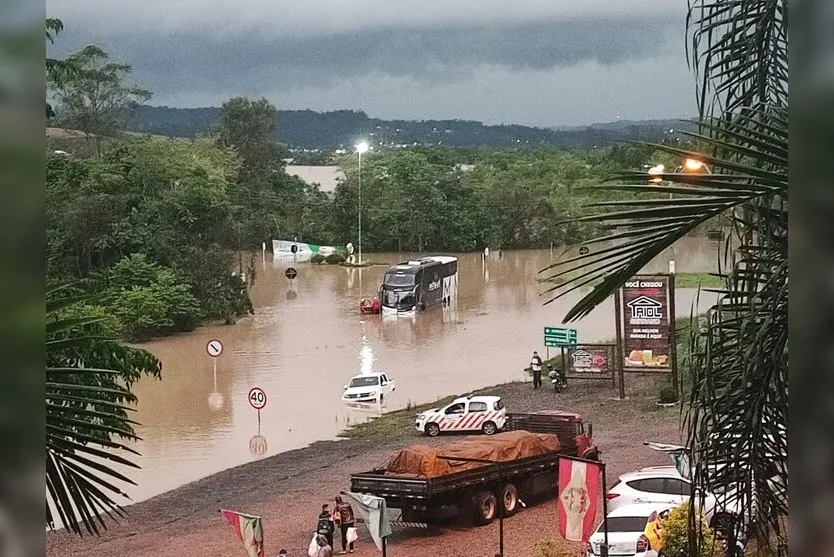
column 257, row 445
column 294, row 248
column 214, row 348
column 257, row 398
column 291, row 273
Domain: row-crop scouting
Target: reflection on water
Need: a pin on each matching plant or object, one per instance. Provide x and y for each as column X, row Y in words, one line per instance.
column 301, row 348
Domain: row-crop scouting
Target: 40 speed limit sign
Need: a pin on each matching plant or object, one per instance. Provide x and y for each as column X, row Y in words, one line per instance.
column 257, row 398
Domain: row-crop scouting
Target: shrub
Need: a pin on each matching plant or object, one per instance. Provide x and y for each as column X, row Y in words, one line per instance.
column 317, row 259
column 548, row 548
column 667, row 395
column 149, row 299
column 675, row 535
column 335, row 258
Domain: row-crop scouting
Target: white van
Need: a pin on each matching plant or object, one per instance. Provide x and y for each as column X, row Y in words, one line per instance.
column 469, row 413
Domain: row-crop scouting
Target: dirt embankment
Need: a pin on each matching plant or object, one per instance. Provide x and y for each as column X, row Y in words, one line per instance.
column 287, row 490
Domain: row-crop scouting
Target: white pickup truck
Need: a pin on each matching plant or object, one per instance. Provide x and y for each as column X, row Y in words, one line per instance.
column 368, row 387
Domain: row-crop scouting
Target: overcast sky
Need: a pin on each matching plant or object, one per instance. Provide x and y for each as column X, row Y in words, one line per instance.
column 532, row 62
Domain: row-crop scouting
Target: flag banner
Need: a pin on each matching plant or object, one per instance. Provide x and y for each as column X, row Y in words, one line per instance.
column 249, row 530
column 375, row 513
column 578, row 495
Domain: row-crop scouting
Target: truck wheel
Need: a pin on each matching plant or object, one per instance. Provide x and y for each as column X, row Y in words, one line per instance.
column 509, row 496
column 432, row 430
column 489, row 428
column 485, row 506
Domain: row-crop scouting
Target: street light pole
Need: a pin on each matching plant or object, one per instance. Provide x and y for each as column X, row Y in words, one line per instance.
column 362, row 147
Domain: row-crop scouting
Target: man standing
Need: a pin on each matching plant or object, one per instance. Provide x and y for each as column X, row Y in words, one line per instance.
column 536, row 365
column 324, row 527
column 345, row 520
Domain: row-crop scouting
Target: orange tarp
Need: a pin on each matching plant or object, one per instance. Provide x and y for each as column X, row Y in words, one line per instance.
column 421, row 460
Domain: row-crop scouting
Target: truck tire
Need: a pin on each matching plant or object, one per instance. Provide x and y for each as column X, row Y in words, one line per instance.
column 432, row 430
column 509, row 497
column 485, row 507
column 489, row 428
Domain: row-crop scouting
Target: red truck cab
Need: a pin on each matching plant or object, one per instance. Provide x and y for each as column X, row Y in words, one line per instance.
column 575, row 435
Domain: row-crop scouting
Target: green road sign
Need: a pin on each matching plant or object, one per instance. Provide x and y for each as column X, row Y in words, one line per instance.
column 557, row 336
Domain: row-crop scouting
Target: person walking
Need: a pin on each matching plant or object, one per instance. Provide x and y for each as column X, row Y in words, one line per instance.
column 324, row 526
column 536, row 366
column 345, row 519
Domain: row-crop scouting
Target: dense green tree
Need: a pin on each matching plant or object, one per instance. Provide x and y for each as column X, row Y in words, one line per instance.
column 249, row 127
column 93, row 97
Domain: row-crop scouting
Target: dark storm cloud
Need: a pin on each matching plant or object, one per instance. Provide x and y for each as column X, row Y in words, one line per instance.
column 176, row 64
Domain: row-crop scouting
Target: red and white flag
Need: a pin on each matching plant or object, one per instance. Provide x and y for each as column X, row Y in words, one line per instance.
column 249, row 529
column 577, row 502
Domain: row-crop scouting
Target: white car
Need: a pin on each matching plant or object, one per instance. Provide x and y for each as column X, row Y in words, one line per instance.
column 626, row 531
column 664, row 485
column 368, row 388
column 469, row 413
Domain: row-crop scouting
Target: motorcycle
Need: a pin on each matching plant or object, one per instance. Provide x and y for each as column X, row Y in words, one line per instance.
column 558, row 382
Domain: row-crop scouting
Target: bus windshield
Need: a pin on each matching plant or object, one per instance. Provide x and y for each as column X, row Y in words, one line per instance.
column 399, row 279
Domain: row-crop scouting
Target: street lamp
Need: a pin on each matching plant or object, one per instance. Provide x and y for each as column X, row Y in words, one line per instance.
column 361, row 147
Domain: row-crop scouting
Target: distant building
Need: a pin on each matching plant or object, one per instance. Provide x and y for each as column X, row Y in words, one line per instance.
column 327, row 177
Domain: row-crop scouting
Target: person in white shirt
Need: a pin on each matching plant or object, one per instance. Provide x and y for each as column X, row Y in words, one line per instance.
column 536, row 366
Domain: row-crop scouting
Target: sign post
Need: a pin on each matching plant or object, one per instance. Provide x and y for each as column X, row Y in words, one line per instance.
column 556, row 337
column 257, row 400
column 214, row 348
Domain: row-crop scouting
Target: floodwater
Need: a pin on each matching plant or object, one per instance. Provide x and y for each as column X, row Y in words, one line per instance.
column 307, row 339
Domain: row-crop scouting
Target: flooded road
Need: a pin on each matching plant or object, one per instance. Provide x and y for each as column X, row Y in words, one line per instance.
column 307, row 339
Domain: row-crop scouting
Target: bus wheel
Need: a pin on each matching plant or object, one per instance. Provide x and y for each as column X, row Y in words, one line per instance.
column 485, row 506
column 509, row 496
column 432, row 430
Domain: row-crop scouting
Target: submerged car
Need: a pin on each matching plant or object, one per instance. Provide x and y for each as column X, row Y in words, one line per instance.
column 368, row 388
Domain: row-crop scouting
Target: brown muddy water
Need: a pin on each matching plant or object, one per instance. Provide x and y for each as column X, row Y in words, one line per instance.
column 307, row 339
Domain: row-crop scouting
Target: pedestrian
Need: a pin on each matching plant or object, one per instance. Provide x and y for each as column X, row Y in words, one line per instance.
column 320, row 548
column 345, row 519
column 536, row 365
column 324, row 526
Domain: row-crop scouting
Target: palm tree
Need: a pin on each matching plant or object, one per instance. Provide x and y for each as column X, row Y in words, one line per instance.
column 737, row 413
column 88, row 380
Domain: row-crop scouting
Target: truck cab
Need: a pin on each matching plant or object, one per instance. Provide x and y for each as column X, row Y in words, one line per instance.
column 575, row 435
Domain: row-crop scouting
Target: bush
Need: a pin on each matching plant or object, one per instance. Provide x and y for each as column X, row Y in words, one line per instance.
column 548, row 548
column 675, row 535
column 335, row 258
column 317, row 259
column 667, row 395
column 149, row 299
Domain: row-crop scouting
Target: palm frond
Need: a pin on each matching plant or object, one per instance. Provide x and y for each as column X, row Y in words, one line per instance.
column 750, row 176
column 88, row 378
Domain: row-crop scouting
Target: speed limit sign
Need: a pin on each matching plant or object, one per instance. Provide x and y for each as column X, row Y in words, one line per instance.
column 257, row 398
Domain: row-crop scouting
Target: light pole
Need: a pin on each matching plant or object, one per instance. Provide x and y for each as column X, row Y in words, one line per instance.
column 361, row 147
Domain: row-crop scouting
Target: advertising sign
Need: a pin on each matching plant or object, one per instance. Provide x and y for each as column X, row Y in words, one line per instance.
column 586, row 358
column 646, row 324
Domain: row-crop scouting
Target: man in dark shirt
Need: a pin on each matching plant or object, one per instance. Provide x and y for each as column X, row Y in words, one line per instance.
column 345, row 518
column 324, row 526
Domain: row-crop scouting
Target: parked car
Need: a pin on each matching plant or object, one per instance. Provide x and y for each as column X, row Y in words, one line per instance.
column 368, row 388
column 627, row 531
column 664, row 485
column 470, row 413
